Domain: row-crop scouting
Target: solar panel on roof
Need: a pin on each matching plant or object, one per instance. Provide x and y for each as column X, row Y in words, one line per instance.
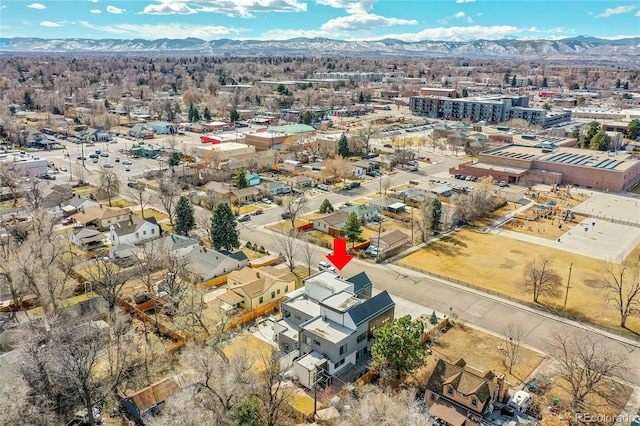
column 579, row 159
column 585, row 161
column 598, row 163
column 561, row 157
column 553, row 157
column 605, row 163
column 614, row 164
column 568, row 158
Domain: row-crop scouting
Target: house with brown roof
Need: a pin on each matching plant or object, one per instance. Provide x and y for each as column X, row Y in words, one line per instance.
column 461, row 395
column 139, row 405
column 253, row 288
column 332, row 220
column 390, row 240
column 102, row 216
column 88, row 238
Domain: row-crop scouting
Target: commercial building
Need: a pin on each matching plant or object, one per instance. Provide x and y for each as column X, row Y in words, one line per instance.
column 493, row 109
column 330, row 322
column 546, row 163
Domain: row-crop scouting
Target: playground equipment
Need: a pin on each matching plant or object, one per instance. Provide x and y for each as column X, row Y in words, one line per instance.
column 545, row 211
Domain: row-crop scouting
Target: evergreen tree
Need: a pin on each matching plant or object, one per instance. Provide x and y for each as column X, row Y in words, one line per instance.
column 618, row 83
column 361, row 98
column 306, row 118
column 234, row 116
column 575, row 133
column 174, row 159
column 506, row 78
column 206, row 114
column 247, row 413
column 465, row 93
column 398, row 346
column 436, row 214
column 353, row 229
column 513, row 81
column 600, row 142
column 594, row 127
column 107, row 105
column 343, row 146
column 326, row 207
column 223, row 232
column 184, row 216
column 433, row 319
column 625, row 86
column 241, row 179
column 544, row 82
column 633, row 129
column 28, row 102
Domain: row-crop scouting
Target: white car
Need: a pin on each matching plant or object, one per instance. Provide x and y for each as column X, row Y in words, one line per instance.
column 326, row 266
column 127, row 162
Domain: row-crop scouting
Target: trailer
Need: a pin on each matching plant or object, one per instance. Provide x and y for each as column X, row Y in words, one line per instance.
column 209, row 139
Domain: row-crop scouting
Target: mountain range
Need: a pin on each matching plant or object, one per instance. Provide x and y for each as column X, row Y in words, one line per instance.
column 581, row 48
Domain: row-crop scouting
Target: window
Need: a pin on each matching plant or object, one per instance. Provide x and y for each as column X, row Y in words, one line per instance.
column 286, row 288
column 362, row 337
column 315, row 342
column 153, row 231
column 144, row 232
column 278, row 292
column 474, row 402
column 273, row 294
column 343, row 349
column 433, row 397
column 306, row 340
column 449, row 390
column 298, row 317
column 137, row 235
column 260, row 300
column 339, row 363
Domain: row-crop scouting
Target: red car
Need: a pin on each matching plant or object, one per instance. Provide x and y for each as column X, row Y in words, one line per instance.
column 257, row 212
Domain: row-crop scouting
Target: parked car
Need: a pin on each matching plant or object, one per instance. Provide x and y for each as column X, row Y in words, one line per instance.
column 371, row 251
column 326, row 266
column 67, row 221
column 117, row 159
column 132, row 184
column 81, row 158
column 265, row 200
column 285, row 215
column 388, row 145
column 94, row 155
column 49, row 177
column 244, row 218
column 63, row 169
column 108, row 166
column 127, row 169
column 324, row 187
column 95, row 160
column 257, row 212
column 127, row 162
column 104, row 154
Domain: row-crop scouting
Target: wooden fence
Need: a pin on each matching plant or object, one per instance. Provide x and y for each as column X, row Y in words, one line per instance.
column 250, row 316
column 215, row 281
column 305, row 227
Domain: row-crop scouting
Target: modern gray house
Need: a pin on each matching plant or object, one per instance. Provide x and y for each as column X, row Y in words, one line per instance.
column 330, row 323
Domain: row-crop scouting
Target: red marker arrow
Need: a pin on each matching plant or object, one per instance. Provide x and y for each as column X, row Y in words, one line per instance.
column 339, row 258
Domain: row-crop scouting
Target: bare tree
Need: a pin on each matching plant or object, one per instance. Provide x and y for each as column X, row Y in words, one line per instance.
column 169, row 191
column 381, row 406
column 363, row 137
column 140, row 194
column 271, row 394
column 589, row 368
column 10, row 179
column 336, row 168
column 474, row 205
column 295, row 206
column 514, row 335
column 384, row 183
column 109, row 184
column 308, row 252
column 423, row 220
column 107, row 279
column 287, row 244
column 541, row 279
column 622, row 283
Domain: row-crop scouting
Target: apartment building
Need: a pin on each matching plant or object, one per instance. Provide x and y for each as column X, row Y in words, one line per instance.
column 330, row 323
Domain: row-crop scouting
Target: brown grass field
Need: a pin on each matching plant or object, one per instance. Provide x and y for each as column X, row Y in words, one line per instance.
column 497, row 263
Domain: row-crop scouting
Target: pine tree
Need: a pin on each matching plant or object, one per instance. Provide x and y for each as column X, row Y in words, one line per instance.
column 184, row 216
column 513, row 81
column 544, row 82
column 223, row 232
column 436, row 214
column 633, row 129
column 398, row 346
column 326, row 207
column 353, row 229
column 241, row 179
column 465, row 92
column 433, row 319
column 594, row 127
column 234, row 116
column 600, row 142
column 343, row 146
column 618, row 83
column 206, row 114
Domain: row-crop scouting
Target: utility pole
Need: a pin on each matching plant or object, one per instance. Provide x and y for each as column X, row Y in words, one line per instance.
column 566, row 295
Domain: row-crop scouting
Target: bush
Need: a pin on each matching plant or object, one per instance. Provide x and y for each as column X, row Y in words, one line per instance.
column 248, row 245
column 262, row 250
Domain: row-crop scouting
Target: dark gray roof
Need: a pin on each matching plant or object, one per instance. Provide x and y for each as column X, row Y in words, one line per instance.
column 239, row 255
column 360, row 282
column 371, row 308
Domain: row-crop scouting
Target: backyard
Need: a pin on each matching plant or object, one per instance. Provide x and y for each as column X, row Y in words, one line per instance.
column 497, row 263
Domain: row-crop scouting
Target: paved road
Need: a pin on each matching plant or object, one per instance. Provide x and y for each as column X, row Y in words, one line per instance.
column 488, row 312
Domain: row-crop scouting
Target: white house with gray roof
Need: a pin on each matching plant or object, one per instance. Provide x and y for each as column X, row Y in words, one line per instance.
column 209, row 263
column 330, row 323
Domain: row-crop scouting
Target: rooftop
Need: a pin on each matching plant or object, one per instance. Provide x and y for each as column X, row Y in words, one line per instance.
column 341, row 301
column 328, row 330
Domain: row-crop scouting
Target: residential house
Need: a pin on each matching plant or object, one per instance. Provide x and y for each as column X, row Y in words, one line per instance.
column 145, row 402
column 362, row 167
column 276, row 188
column 88, row 238
column 385, row 161
column 253, row 180
column 365, row 212
column 300, row 182
column 102, row 216
column 460, row 395
column 245, row 194
column 219, row 189
column 389, row 204
column 331, row 220
column 135, row 230
column 254, row 288
column 330, row 323
column 76, row 204
column 390, row 239
column 53, row 196
column 96, row 135
column 178, row 245
column 208, row 263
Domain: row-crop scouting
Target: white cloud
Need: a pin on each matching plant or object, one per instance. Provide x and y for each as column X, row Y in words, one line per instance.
column 459, row 15
column 115, row 10
column 93, row 1
column 152, row 32
column 351, row 6
column 465, row 1
column 610, row 11
column 37, row 6
column 4, row 6
column 463, row 33
column 241, row 8
column 638, row 13
column 50, row 24
column 95, row 11
column 281, row 34
column 363, row 21
column 470, row 20
column 479, row 14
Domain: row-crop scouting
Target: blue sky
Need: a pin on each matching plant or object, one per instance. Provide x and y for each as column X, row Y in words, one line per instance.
column 409, row 20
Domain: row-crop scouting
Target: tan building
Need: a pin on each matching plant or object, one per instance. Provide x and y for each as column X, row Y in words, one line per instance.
column 102, row 216
column 263, row 141
column 390, row 239
column 253, row 288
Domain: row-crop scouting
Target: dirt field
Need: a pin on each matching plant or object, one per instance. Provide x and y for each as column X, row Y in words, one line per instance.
column 548, row 228
column 497, row 263
column 480, row 351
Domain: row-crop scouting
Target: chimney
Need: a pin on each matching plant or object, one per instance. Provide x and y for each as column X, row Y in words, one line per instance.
column 100, row 205
column 502, row 389
column 257, row 274
column 130, row 218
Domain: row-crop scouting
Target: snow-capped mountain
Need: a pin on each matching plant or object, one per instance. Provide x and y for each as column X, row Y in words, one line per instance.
column 580, row 48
